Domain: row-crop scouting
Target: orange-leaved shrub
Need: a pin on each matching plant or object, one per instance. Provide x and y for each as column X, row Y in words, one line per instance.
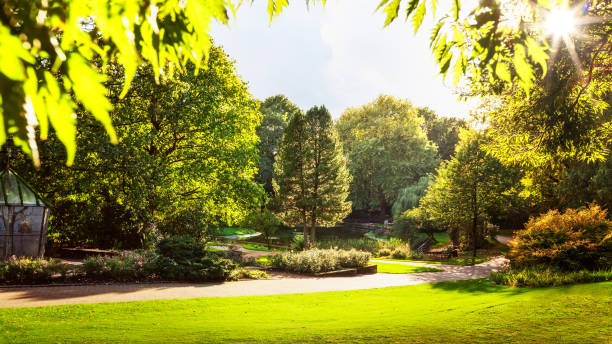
column 573, row 240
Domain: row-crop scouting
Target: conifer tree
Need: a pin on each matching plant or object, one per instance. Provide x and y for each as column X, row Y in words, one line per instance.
column 311, row 178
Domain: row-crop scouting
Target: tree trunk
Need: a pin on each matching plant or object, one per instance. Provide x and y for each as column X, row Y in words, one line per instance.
column 305, row 229
column 474, row 238
column 313, row 228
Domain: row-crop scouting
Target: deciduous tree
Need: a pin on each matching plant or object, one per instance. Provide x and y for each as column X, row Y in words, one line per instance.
column 387, row 151
column 277, row 111
column 467, row 188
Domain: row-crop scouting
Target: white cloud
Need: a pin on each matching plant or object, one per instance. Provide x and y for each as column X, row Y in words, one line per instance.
column 340, row 57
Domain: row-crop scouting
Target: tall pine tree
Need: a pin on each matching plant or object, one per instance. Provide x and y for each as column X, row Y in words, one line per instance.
column 311, row 179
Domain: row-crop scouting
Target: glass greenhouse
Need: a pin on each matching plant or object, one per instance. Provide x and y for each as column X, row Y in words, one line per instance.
column 23, row 229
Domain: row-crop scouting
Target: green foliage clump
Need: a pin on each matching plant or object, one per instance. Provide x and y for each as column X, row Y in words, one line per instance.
column 413, row 221
column 30, row 271
column 409, row 197
column 387, row 150
column 184, row 258
column 128, row 266
column 263, row 221
column 185, row 160
column 277, row 112
column 318, row 260
column 543, row 276
column 242, row 273
column 361, row 244
column 570, row 241
column 468, row 189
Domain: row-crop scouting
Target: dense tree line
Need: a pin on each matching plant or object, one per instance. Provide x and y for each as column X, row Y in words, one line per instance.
column 185, row 160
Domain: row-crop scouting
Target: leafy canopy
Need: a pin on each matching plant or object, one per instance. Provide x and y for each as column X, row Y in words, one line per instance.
column 185, row 159
column 387, row 151
column 277, row 111
column 39, row 39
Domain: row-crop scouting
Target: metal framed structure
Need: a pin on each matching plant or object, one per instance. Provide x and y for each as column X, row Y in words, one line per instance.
column 24, row 218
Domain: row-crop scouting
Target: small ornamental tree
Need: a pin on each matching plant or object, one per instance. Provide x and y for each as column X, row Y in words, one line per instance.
column 467, row 188
column 311, row 179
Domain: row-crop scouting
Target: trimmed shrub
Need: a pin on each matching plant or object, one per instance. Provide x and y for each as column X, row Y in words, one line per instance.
column 570, row 241
column 186, row 259
column 538, row 277
column 318, row 260
column 31, row 271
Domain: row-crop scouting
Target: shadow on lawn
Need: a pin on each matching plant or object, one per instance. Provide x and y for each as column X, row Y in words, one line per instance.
column 478, row 286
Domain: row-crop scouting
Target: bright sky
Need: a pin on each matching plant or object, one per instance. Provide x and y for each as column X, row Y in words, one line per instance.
column 339, row 57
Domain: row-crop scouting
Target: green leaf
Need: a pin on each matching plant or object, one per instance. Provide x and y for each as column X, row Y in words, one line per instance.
column 459, row 69
column 434, row 7
column 391, row 10
column 522, row 67
column 538, row 53
column 412, row 5
column 10, row 63
column 89, row 89
column 502, row 71
column 445, row 63
column 417, row 20
column 456, row 9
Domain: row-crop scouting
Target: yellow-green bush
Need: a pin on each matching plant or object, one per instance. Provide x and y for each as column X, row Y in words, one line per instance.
column 571, row 241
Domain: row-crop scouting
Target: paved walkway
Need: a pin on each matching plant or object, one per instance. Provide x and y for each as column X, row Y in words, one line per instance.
column 45, row 296
column 504, row 239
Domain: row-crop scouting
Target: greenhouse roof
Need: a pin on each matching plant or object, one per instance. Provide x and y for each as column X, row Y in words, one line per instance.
column 15, row 191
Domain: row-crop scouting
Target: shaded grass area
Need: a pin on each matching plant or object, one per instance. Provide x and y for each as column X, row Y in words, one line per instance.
column 374, row 236
column 442, row 238
column 462, row 260
column 256, row 247
column 390, row 268
column 452, row 312
column 234, row 231
column 248, row 246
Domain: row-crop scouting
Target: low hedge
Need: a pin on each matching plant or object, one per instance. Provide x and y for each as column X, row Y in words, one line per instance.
column 538, row 277
column 320, row 260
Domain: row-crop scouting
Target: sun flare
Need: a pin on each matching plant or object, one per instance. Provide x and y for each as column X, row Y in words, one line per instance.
column 560, row 23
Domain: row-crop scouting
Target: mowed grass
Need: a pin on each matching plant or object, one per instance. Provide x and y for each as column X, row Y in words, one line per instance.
column 390, row 268
column 442, row 238
column 452, row 312
column 235, row 231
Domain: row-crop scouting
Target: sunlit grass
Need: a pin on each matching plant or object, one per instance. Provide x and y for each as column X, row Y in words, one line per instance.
column 390, row 268
column 451, row 312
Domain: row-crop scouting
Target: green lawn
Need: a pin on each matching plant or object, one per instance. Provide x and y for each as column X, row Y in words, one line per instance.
column 373, row 236
column 256, row 247
column 463, row 260
column 390, row 268
column 453, row 312
column 235, row 231
column 442, row 238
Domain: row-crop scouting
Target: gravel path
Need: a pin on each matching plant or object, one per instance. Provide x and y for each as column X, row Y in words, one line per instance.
column 282, row 284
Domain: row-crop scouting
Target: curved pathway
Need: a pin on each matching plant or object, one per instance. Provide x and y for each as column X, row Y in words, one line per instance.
column 281, row 284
